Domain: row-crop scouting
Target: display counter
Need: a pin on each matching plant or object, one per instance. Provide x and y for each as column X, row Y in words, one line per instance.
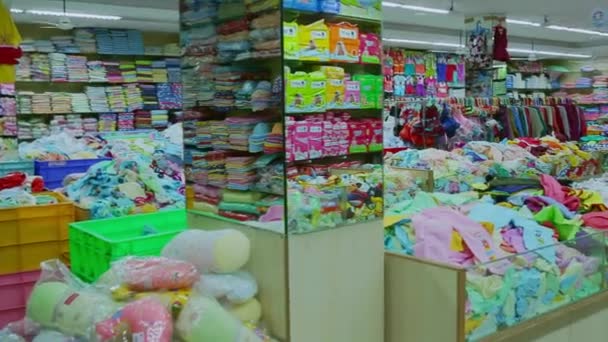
column 507, row 299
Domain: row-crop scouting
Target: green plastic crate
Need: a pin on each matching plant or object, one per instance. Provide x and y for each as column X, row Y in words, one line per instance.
column 94, row 245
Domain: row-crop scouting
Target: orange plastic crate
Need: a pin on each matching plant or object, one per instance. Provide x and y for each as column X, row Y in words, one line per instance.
column 32, row 234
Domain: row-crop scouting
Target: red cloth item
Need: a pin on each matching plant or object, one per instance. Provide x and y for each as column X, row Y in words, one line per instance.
column 12, row 180
column 500, row 44
column 36, row 183
column 238, row 216
column 450, row 70
column 559, row 193
column 597, row 220
column 10, row 54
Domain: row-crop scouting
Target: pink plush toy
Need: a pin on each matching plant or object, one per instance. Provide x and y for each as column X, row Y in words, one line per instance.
column 155, row 273
column 145, row 320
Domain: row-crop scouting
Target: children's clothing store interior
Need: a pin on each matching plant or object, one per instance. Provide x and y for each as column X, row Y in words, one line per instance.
column 303, row 170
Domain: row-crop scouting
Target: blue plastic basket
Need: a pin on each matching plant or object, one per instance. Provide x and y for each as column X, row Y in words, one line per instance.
column 26, row 166
column 53, row 172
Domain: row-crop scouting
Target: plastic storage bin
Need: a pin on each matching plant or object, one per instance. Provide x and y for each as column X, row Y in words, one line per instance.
column 26, row 166
column 32, row 234
column 54, row 172
column 15, row 290
column 95, row 244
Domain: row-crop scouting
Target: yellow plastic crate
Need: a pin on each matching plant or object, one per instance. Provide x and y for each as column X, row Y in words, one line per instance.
column 189, row 197
column 82, row 214
column 32, row 234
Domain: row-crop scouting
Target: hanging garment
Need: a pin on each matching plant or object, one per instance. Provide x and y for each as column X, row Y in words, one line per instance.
column 9, row 46
column 500, row 44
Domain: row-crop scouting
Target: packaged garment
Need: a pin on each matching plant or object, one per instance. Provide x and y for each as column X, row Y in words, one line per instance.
column 314, row 41
column 370, row 48
column 316, row 100
column 291, row 44
column 297, row 92
column 344, row 42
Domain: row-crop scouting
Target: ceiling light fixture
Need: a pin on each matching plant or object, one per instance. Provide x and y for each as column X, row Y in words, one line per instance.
column 577, row 30
column 421, row 42
column 73, row 15
column 17, row 10
column 415, row 8
column 523, row 22
column 550, row 53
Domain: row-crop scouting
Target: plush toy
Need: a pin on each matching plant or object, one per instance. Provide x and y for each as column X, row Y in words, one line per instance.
column 250, row 311
column 220, row 251
column 204, row 319
column 145, row 320
column 155, row 273
column 236, row 287
column 174, row 301
column 57, row 306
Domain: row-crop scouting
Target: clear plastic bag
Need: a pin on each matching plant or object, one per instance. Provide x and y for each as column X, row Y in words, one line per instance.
column 150, row 274
column 61, row 302
column 204, row 319
column 145, row 320
column 236, row 288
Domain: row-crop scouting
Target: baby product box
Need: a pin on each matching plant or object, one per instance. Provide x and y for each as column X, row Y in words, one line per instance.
column 315, row 139
column 316, row 96
column 291, row 45
column 290, row 130
column 300, row 140
column 297, row 92
column 371, row 48
column 314, row 41
column 370, row 9
column 344, row 42
column 335, row 86
column 369, row 97
column 302, row 5
column 376, row 135
column 358, row 136
column 352, row 94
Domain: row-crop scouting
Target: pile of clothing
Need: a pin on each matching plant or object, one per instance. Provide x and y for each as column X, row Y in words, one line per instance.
column 478, row 162
column 19, row 189
column 525, row 254
column 121, row 187
column 452, row 172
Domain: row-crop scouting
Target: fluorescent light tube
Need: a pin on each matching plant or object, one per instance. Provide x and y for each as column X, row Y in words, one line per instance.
column 415, row 8
column 17, row 10
column 577, row 30
column 422, row 42
column 523, row 22
column 550, row 53
column 74, row 15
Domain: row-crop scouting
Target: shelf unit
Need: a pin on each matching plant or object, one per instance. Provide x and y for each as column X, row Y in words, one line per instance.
column 32, row 32
column 286, row 262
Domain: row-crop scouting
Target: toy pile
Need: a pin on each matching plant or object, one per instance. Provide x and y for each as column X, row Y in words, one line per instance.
column 538, row 249
column 189, row 293
column 329, row 196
